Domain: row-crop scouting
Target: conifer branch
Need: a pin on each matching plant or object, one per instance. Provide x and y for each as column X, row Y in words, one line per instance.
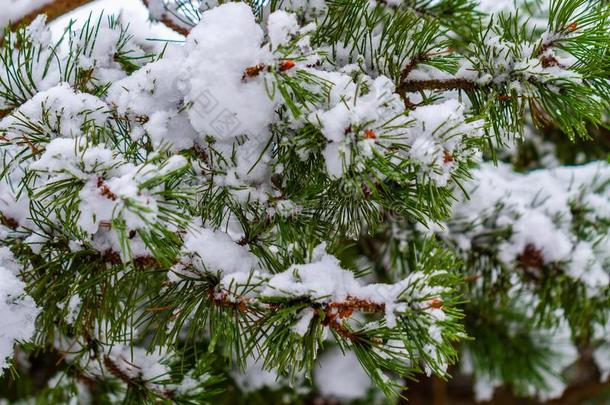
column 445, row 85
column 53, row 9
column 177, row 208
column 166, row 17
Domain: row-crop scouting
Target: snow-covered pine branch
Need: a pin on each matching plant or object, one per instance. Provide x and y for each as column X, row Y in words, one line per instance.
column 15, row 12
column 257, row 194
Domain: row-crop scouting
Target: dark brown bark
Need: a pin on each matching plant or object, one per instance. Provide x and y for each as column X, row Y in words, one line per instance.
column 53, row 10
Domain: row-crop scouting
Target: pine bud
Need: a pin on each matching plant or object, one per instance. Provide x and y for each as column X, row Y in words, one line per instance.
column 448, row 157
column 253, row 71
column 436, row 303
column 286, row 65
column 370, row 134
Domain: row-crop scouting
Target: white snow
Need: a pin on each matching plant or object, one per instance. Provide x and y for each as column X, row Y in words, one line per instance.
column 340, row 376
column 19, row 311
column 14, row 10
column 255, row 377
column 324, row 281
column 198, row 97
column 60, row 110
column 537, row 207
column 280, row 27
column 214, row 251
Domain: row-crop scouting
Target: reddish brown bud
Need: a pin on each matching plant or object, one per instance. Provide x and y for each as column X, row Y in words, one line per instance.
column 532, row 257
column 286, row 65
column 253, row 70
column 105, row 190
column 448, row 157
column 436, row 303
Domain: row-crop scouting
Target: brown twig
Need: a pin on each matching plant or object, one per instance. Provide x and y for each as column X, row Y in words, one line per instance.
column 105, row 190
column 142, row 262
column 340, row 328
column 167, row 21
column 336, row 311
column 550, row 60
column 53, row 10
column 344, row 309
column 117, row 372
column 531, row 261
column 403, row 78
column 9, row 222
column 433, row 84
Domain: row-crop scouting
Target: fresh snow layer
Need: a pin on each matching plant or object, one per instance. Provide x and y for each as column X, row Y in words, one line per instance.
column 539, row 209
column 14, row 10
column 19, row 311
column 209, row 101
column 340, row 376
column 133, row 12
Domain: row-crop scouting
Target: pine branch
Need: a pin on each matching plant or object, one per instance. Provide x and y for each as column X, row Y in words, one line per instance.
column 445, row 85
column 224, row 198
column 53, row 9
column 166, row 17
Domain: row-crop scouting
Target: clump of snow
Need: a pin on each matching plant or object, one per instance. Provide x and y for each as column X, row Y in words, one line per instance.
column 281, row 26
column 542, row 210
column 104, row 199
column 323, row 280
column 135, row 13
column 302, row 325
column 340, row 376
column 601, row 354
column 437, row 136
column 136, row 362
column 73, row 308
column 215, row 251
column 363, row 124
column 15, row 10
column 60, row 110
column 74, row 158
column 208, row 100
column 163, row 10
column 224, row 43
column 19, row 311
column 92, row 50
column 254, row 377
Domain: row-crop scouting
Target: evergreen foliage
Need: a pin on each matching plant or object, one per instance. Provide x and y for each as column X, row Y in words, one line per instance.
column 345, row 180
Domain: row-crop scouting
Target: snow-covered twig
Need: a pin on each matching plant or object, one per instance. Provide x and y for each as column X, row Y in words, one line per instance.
column 15, row 13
